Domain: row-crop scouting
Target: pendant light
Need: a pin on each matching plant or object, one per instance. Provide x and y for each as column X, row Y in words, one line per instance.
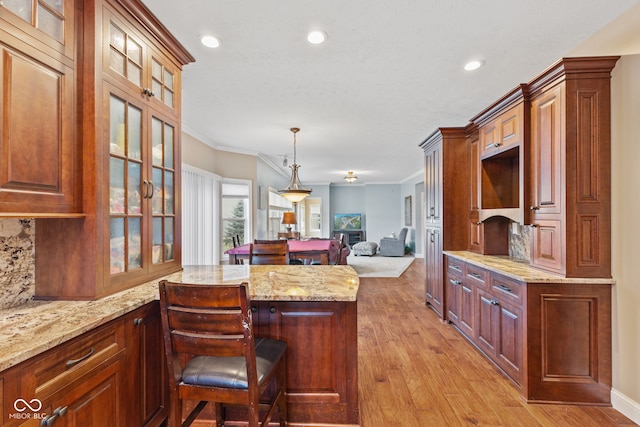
column 295, row 191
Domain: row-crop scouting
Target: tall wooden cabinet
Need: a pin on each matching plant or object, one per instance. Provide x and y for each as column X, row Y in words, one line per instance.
column 447, row 165
column 570, row 168
column 129, row 96
column 39, row 140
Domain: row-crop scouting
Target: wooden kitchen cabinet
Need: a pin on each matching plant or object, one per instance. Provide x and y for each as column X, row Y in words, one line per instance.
column 78, row 383
column 570, row 168
column 322, row 357
column 40, row 157
column 147, row 402
column 131, row 159
column 434, row 289
column 447, row 191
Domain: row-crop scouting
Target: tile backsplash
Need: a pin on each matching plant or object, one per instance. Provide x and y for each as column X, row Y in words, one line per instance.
column 519, row 242
column 17, row 261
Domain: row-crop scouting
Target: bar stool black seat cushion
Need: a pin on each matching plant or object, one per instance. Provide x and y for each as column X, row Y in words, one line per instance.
column 231, row 372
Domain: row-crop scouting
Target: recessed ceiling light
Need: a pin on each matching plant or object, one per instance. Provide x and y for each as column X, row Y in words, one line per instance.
column 210, row 41
column 473, row 65
column 316, row 37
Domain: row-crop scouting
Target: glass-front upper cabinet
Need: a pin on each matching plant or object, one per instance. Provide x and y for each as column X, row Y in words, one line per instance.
column 50, row 22
column 131, row 59
column 142, row 174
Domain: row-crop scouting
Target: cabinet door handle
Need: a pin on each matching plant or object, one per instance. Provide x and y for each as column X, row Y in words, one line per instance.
column 534, row 208
column 152, row 190
column 57, row 413
column 505, row 288
column 138, row 321
column 432, row 210
column 253, row 309
column 432, row 238
column 272, row 310
column 533, row 225
column 494, row 302
column 73, row 362
column 492, row 145
column 455, row 282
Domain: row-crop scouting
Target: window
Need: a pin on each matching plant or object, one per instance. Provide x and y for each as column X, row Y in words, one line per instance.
column 277, row 206
column 236, row 212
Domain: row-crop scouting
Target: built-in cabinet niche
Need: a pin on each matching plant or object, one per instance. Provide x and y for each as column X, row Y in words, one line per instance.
column 502, row 131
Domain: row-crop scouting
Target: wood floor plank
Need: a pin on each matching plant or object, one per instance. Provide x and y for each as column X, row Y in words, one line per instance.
column 416, row 371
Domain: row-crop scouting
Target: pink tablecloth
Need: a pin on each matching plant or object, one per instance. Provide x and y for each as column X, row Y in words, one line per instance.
column 329, row 245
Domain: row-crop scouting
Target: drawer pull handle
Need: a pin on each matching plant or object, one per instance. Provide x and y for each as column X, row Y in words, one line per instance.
column 73, row 362
column 505, row 288
column 455, row 267
column 493, row 144
column 475, row 275
column 50, row 420
column 494, row 302
column 455, row 282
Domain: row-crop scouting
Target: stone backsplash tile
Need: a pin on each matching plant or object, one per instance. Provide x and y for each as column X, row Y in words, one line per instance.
column 17, row 261
column 519, row 243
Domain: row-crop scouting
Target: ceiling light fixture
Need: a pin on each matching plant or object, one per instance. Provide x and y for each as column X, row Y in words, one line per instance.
column 350, row 177
column 316, row 37
column 473, row 65
column 210, row 41
column 295, row 191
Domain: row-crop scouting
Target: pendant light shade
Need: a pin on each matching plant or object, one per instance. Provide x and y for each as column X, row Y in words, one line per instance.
column 295, row 191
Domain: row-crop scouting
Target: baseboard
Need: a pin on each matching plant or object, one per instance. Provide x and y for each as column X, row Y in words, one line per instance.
column 628, row 407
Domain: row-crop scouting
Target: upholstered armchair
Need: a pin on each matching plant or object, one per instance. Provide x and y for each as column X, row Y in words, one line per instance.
column 393, row 246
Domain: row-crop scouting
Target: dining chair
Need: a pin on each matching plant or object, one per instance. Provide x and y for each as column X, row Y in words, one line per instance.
column 342, row 241
column 275, row 253
column 213, row 355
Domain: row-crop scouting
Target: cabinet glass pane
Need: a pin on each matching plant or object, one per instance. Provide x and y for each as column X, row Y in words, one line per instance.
column 135, row 244
column 156, row 249
column 134, row 73
column 134, row 51
column 168, row 146
column 168, row 192
column 54, row 4
column 116, row 126
column 156, row 70
column 116, row 61
column 134, row 150
column 117, row 243
column 133, row 188
column 168, row 97
column 168, row 239
column 168, row 79
column 50, row 24
column 156, row 88
column 116, row 38
column 156, row 142
column 157, row 199
column 116, row 186
column 22, row 8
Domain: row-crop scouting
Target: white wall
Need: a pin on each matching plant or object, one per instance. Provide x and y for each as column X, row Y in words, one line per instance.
column 625, row 177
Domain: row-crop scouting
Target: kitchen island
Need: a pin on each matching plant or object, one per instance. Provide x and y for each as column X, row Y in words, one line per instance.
column 313, row 308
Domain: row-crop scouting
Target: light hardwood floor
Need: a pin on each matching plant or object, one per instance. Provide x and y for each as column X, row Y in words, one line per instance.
column 416, row 371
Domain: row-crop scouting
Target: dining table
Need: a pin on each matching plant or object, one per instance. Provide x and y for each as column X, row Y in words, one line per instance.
column 306, row 250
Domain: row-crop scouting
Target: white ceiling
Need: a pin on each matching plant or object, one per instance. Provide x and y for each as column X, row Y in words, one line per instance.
column 388, row 75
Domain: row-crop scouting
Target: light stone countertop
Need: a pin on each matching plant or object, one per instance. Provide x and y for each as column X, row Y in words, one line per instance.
column 521, row 271
column 32, row 328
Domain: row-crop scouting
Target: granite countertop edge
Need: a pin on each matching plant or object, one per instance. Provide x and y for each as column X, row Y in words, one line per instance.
column 34, row 327
column 521, row 270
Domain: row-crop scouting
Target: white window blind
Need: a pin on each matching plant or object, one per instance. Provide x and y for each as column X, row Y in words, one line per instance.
column 200, row 217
